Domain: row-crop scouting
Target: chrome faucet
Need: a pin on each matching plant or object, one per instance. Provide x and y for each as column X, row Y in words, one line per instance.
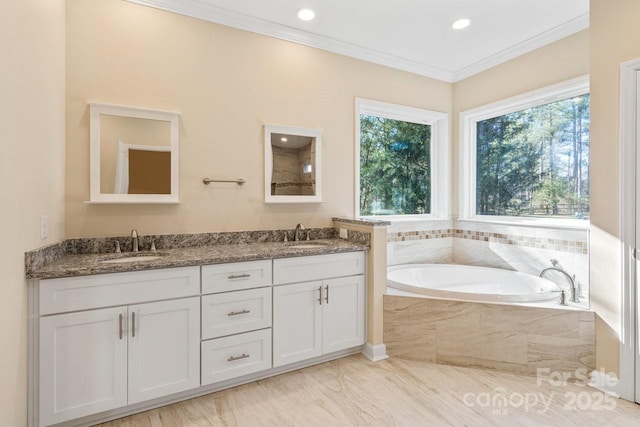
column 574, row 297
column 134, row 240
column 296, row 234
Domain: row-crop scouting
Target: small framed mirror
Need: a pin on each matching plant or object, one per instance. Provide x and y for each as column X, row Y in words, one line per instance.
column 292, row 164
column 134, row 155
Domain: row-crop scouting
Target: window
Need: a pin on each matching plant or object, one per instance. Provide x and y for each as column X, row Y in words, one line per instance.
column 528, row 156
column 401, row 160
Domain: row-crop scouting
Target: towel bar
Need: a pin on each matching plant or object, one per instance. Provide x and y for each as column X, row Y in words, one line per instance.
column 239, row 181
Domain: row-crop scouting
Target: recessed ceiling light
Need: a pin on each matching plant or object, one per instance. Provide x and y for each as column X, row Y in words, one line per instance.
column 306, row 14
column 283, row 139
column 460, row 24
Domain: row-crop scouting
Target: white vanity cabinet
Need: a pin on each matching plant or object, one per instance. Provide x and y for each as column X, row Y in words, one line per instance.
column 104, row 345
column 105, row 358
column 236, row 320
column 315, row 312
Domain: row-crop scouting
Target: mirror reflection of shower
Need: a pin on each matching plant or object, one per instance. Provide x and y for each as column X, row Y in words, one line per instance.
column 293, row 172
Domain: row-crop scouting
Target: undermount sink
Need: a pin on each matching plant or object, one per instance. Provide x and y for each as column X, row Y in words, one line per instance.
column 129, row 258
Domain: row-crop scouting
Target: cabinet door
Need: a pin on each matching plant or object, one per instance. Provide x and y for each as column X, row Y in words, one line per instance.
column 297, row 322
column 164, row 348
column 343, row 313
column 83, row 364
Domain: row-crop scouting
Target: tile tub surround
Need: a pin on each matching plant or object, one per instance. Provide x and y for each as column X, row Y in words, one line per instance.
column 519, row 239
column 420, row 242
column 503, row 337
column 522, row 248
column 78, row 256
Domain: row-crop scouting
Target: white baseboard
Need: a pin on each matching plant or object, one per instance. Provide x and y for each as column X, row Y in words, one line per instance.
column 376, row 352
column 606, row 383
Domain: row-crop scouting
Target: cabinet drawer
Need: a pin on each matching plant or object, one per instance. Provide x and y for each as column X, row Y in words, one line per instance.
column 304, row 269
column 236, row 355
column 105, row 290
column 235, row 276
column 234, row 312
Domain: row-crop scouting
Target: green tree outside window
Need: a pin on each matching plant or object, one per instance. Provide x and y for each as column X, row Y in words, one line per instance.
column 395, row 167
column 535, row 162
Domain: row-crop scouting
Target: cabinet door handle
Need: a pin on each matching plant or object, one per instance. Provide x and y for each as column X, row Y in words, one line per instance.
column 239, row 276
column 234, row 358
column 320, row 291
column 120, row 324
column 133, row 324
column 326, row 296
column 236, row 313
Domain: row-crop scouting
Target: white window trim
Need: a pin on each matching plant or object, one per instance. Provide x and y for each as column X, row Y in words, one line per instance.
column 467, row 163
column 440, row 153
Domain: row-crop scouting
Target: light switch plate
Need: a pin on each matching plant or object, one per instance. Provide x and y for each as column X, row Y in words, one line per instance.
column 44, row 227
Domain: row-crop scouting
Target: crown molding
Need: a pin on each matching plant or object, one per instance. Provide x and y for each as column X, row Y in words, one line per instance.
column 561, row 31
column 201, row 10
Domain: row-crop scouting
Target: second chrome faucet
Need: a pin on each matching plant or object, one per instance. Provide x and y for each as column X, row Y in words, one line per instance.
column 134, row 240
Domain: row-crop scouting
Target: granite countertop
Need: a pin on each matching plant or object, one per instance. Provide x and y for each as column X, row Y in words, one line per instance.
column 85, row 264
column 372, row 222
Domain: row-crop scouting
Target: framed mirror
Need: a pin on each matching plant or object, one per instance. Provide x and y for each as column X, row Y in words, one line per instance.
column 133, row 155
column 292, row 164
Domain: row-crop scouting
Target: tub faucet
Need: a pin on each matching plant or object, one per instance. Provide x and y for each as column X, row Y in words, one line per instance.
column 574, row 297
column 134, row 240
column 297, row 233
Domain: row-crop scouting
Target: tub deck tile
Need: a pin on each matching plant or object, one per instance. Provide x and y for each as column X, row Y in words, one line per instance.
column 435, row 312
column 491, row 336
column 479, row 344
column 560, row 354
column 412, row 346
column 530, row 320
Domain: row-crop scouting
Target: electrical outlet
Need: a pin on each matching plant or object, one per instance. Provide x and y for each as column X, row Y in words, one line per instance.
column 44, row 227
column 344, row 233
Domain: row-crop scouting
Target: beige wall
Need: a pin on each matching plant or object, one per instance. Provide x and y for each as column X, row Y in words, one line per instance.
column 226, row 84
column 31, row 171
column 615, row 38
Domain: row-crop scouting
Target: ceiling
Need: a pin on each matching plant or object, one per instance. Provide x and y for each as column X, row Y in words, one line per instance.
column 410, row 35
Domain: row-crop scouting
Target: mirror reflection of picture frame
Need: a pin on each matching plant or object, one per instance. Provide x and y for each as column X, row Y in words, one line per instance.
column 301, row 181
column 151, row 186
column 142, row 169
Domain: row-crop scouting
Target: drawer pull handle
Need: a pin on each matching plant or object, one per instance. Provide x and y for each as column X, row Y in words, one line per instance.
column 234, row 358
column 133, row 324
column 120, row 324
column 236, row 313
column 239, row 276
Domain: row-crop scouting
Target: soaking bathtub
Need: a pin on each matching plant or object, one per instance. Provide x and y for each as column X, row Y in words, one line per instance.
column 469, row 283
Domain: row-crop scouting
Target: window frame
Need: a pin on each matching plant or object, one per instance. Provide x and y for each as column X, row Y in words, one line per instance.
column 439, row 147
column 468, row 146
